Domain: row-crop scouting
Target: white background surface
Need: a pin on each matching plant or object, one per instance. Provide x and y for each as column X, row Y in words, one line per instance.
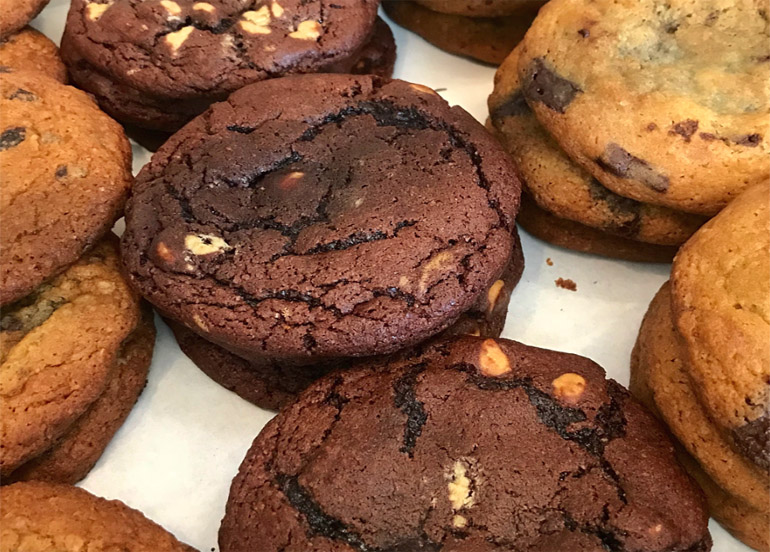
column 176, row 454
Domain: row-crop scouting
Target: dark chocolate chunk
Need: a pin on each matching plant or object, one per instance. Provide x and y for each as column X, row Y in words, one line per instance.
column 23, row 95
column 542, row 84
column 753, row 439
column 12, row 137
column 619, row 162
column 686, row 129
column 514, row 106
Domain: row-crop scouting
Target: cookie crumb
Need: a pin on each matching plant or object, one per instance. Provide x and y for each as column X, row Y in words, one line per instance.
column 566, row 284
column 549, row 262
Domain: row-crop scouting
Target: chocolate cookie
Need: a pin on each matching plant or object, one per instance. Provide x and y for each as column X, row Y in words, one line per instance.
column 41, row 516
column 170, row 59
column 481, row 8
column 578, row 237
column 408, row 455
column 563, row 188
column 17, row 13
column 322, row 216
column 488, row 39
column 660, row 103
column 272, row 385
column 66, row 170
column 30, row 50
column 721, row 303
column 58, row 349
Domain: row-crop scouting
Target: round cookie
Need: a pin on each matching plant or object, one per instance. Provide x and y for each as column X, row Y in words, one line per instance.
column 486, row 39
column 578, row 237
column 17, row 13
column 73, row 456
column 179, row 57
column 66, row 170
column 480, row 8
column 30, row 50
column 58, row 348
column 659, row 378
column 322, row 216
column 564, row 189
column 41, row 516
column 721, row 304
column 666, row 104
column 424, row 462
column 272, row 385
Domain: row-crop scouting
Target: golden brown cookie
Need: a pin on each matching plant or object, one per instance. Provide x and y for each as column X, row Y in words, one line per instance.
column 663, row 102
column 31, row 50
column 42, row 517
column 659, row 377
column 721, row 303
column 565, row 189
column 480, row 8
column 17, row 13
column 75, row 454
column 572, row 235
column 66, row 172
column 58, row 351
column 488, row 39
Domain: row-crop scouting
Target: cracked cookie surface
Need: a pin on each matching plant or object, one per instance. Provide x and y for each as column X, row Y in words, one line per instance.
column 66, row 170
column 663, row 102
column 472, row 444
column 31, row 50
column 322, row 216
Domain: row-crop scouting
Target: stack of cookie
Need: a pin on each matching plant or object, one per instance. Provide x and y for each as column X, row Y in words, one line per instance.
column 74, row 346
column 702, row 362
column 480, row 29
column 158, row 64
column 619, row 153
column 312, row 220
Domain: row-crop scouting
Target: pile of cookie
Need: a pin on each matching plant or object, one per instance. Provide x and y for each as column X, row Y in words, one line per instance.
column 702, row 362
column 632, row 123
column 481, row 29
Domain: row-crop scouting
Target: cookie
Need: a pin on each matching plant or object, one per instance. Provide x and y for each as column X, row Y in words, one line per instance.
column 66, row 170
column 17, row 13
column 488, row 39
column 563, row 188
column 578, row 237
column 721, row 307
column 58, row 349
column 322, row 216
column 42, row 516
column 30, row 50
column 407, row 454
column 272, row 385
column 480, row 8
column 80, row 448
column 179, row 57
column 659, row 378
column 660, row 103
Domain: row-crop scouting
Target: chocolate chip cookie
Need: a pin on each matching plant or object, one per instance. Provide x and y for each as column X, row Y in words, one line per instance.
column 480, row 8
column 171, row 59
column 322, row 216
column 667, row 104
column 563, row 188
column 17, row 13
column 272, row 385
column 59, row 349
column 66, row 170
column 30, row 50
column 721, row 307
column 488, row 39
column 42, row 516
column 407, row 454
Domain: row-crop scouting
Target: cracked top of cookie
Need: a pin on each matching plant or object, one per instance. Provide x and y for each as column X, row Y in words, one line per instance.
column 467, row 444
column 321, row 216
column 185, row 48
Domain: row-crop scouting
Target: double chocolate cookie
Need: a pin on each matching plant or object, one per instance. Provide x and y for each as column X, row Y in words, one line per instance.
column 160, row 63
column 472, row 444
column 322, row 216
column 667, row 104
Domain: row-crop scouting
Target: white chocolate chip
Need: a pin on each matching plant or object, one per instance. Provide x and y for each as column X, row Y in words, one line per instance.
column 459, row 521
column 569, row 386
column 171, row 7
column 95, row 11
column 437, row 262
column 459, row 487
column 493, row 294
column 177, row 38
column 203, row 6
column 253, row 28
column 493, row 362
column 200, row 322
column 269, row 48
column 204, row 244
column 276, row 9
column 308, row 30
column 260, row 17
column 423, row 89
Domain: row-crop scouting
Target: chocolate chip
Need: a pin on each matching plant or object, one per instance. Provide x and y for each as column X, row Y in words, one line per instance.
column 514, row 106
column 753, row 439
column 585, row 33
column 651, row 127
column 61, row 171
column 619, row 162
column 748, row 140
column 685, row 129
column 12, row 137
column 23, row 95
column 708, row 136
column 543, row 85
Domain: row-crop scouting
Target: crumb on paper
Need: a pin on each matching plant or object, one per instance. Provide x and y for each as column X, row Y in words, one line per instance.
column 566, row 284
column 440, row 89
column 549, row 262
